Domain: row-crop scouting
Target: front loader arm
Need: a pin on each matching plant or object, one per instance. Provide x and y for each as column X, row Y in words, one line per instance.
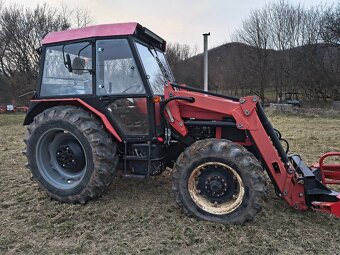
column 288, row 179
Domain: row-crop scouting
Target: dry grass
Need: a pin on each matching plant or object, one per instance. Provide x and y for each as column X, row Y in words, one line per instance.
column 141, row 217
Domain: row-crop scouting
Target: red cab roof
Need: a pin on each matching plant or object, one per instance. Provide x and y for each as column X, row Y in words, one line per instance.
column 92, row 31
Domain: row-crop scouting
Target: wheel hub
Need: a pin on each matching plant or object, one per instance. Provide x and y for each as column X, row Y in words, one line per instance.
column 61, row 158
column 216, row 184
column 70, row 156
column 216, row 188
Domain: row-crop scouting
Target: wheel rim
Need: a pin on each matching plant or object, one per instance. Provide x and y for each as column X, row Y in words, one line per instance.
column 61, row 159
column 216, row 188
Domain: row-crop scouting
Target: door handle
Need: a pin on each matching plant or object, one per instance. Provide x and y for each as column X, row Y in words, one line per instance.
column 104, row 98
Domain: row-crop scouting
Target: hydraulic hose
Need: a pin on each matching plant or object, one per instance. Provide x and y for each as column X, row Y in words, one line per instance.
column 278, row 134
column 166, row 101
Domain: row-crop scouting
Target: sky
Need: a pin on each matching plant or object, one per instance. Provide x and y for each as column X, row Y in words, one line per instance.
column 182, row 21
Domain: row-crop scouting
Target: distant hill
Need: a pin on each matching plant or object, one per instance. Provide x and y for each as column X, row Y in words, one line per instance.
column 239, row 69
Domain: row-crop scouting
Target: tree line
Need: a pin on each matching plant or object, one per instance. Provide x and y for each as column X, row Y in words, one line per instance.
column 290, row 48
column 21, row 30
column 279, row 48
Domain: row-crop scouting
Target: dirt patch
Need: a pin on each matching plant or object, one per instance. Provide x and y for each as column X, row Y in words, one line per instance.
column 141, row 217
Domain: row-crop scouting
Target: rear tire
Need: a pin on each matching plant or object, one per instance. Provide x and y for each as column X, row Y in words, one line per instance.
column 70, row 154
column 219, row 181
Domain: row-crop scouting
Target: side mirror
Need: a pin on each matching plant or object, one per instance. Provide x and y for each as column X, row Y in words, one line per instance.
column 68, row 64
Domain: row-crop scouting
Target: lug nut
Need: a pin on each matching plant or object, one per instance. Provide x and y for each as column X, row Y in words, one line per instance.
column 291, row 170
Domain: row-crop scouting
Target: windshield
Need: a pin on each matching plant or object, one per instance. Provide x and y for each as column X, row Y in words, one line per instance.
column 156, row 68
column 165, row 63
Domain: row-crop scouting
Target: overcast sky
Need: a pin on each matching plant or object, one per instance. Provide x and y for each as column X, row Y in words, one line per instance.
column 181, row 21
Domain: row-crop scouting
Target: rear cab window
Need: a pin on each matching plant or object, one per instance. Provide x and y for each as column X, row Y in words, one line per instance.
column 58, row 80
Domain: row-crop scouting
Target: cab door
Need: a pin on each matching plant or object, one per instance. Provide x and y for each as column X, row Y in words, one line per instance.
column 120, row 87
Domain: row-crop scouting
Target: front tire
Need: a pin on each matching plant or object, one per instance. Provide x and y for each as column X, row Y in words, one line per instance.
column 70, row 154
column 219, row 181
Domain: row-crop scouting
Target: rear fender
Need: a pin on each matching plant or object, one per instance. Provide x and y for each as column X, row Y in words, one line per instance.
column 39, row 105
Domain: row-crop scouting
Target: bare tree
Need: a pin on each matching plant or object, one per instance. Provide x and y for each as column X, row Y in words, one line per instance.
column 295, row 33
column 255, row 31
column 177, row 52
column 77, row 18
column 331, row 32
column 21, row 30
column 82, row 18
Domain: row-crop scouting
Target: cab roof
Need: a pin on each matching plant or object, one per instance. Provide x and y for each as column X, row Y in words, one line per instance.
column 129, row 28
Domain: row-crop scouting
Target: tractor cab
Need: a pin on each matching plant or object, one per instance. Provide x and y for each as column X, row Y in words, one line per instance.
column 118, row 69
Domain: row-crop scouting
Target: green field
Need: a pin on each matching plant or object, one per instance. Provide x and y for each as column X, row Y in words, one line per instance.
column 141, row 216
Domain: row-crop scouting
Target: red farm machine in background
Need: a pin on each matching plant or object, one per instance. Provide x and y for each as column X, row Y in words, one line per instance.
column 12, row 108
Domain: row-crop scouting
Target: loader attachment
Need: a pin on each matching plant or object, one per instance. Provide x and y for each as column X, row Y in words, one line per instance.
column 329, row 174
column 328, row 207
column 302, row 187
column 318, row 196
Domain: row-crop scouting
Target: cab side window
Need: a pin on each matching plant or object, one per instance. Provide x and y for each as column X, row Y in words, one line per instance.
column 116, row 68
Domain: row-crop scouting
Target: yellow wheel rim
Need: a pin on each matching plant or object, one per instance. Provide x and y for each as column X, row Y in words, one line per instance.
column 209, row 205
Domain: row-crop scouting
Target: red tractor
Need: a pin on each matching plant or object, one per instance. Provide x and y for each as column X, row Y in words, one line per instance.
column 107, row 99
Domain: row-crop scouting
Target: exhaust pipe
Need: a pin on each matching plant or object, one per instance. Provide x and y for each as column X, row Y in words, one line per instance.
column 205, row 69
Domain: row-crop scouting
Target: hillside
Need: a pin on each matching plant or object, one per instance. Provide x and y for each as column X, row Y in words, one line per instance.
column 238, row 69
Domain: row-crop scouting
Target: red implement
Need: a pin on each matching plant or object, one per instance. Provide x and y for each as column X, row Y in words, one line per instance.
column 328, row 207
column 330, row 173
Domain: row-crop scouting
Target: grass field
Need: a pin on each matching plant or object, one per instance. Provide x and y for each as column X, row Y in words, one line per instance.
column 141, row 217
